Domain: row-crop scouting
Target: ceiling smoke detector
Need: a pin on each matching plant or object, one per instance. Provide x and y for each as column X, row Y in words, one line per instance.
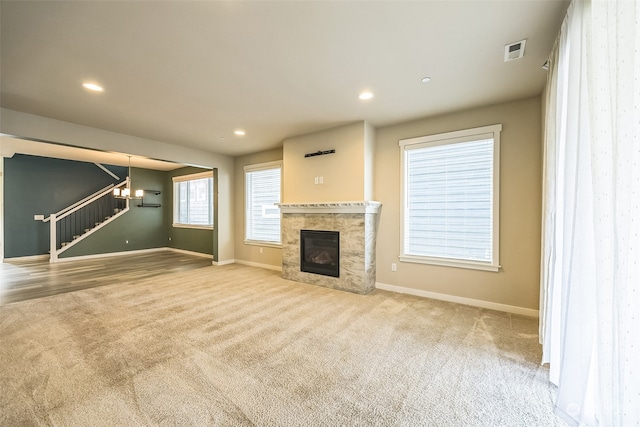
column 514, row 50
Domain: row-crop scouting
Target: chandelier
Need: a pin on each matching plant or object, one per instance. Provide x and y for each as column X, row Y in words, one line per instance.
column 125, row 193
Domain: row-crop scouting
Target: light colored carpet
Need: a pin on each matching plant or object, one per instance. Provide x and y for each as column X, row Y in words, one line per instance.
column 237, row 345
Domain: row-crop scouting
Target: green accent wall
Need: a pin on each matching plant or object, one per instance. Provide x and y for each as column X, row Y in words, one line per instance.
column 35, row 185
column 190, row 239
column 140, row 228
column 42, row 185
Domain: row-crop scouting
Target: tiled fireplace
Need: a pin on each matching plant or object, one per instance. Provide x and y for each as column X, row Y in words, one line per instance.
column 356, row 225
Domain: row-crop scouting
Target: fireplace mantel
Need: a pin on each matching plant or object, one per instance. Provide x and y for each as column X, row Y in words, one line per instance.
column 331, row 207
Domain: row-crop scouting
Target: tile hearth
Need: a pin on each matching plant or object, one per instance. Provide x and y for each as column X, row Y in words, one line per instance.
column 357, row 224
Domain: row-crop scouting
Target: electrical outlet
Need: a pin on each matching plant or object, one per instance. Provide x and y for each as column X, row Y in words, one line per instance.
column 261, row 250
column 321, row 179
column 169, row 238
column 38, row 217
column 126, row 242
column 394, row 266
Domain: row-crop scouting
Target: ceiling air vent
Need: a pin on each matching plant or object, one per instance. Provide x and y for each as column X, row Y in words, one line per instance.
column 514, row 50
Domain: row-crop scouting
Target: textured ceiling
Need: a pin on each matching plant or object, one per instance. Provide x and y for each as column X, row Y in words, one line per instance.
column 190, row 73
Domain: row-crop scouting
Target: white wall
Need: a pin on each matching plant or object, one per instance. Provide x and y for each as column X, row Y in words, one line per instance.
column 343, row 172
column 517, row 282
column 515, row 287
column 252, row 254
column 1, row 204
column 369, row 161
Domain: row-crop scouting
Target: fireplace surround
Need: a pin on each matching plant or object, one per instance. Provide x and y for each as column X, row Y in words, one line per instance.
column 356, row 225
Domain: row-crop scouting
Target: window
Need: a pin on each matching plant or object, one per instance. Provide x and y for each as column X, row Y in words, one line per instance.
column 262, row 193
column 450, row 198
column 193, row 200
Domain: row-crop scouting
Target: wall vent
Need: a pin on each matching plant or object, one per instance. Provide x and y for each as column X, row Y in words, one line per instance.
column 514, row 50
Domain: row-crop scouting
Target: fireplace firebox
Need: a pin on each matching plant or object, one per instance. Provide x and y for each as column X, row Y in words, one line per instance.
column 320, row 252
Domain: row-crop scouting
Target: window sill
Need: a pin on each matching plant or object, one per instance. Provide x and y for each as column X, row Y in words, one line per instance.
column 196, row 227
column 264, row 244
column 456, row 263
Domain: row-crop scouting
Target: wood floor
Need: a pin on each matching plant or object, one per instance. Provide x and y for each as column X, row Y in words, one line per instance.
column 22, row 280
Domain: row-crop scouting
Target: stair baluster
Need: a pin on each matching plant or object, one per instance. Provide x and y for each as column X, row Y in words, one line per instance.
column 74, row 223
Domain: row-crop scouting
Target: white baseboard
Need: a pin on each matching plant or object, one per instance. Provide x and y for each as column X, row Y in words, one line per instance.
column 135, row 252
column 460, row 300
column 28, row 258
column 110, row 254
column 183, row 251
column 256, row 264
column 225, row 262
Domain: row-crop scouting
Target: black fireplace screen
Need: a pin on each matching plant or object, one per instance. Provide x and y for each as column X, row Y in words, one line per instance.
column 320, row 252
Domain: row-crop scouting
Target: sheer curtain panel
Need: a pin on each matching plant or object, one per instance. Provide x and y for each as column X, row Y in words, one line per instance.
column 590, row 290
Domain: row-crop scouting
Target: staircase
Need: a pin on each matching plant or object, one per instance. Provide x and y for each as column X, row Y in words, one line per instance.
column 75, row 223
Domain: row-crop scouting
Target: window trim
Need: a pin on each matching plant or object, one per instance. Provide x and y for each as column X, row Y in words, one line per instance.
column 191, row 177
column 256, row 168
column 447, row 138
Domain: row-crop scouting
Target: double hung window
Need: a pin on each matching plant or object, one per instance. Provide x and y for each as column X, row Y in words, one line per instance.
column 262, row 194
column 193, row 200
column 450, row 198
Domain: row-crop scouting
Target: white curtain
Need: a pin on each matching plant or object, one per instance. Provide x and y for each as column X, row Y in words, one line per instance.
column 590, row 290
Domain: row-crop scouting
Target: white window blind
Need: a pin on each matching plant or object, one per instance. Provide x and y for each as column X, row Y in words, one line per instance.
column 450, row 199
column 193, row 200
column 262, row 216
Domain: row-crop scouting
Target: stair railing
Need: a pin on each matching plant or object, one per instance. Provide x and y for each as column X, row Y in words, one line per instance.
column 79, row 202
column 82, row 218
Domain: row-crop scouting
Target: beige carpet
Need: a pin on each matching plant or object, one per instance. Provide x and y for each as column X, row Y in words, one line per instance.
column 236, row 346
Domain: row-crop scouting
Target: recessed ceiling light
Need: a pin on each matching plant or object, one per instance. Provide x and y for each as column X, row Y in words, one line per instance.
column 365, row 96
column 425, row 79
column 92, row 86
column 239, row 132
